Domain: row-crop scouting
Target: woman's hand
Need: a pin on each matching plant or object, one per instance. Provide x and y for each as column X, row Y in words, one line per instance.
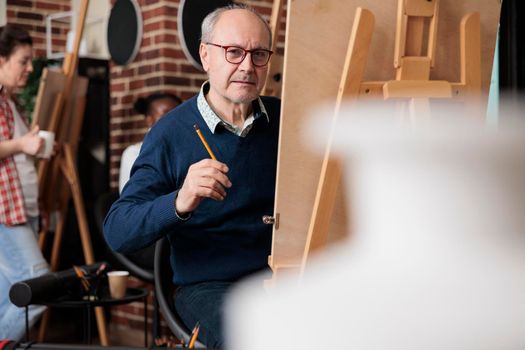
column 31, row 143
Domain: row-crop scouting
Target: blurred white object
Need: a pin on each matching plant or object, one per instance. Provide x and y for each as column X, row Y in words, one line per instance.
column 82, row 50
column 69, row 17
column 49, row 143
column 437, row 254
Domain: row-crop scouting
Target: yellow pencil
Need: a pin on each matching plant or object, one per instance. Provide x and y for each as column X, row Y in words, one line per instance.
column 204, row 142
column 194, row 335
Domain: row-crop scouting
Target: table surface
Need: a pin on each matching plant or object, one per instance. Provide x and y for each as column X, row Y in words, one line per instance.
column 132, row 294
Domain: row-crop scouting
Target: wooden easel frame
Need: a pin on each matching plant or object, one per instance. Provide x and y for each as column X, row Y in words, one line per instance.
column 62, row 168
column 352, row 76
column 314, row 60
column 412, row 82
column 275, row 67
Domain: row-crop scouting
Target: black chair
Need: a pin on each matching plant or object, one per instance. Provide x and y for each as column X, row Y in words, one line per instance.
column 164, row 290
column 139, row 264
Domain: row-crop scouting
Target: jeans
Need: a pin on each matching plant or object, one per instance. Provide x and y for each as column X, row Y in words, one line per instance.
column 20, row 259
column 203, row 302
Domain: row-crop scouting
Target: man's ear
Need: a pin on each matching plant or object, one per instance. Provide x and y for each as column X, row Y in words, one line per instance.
column 203, row 53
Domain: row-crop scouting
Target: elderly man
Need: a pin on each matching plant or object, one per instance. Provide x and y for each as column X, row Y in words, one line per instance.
column 209, row 209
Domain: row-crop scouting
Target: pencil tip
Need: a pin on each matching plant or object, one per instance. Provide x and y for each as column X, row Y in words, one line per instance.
column 195, row 127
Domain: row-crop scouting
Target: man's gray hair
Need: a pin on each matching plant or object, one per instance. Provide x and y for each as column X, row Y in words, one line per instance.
column 208, row 24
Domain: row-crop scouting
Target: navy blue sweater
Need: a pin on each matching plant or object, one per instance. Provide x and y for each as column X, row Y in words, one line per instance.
column 223, row 240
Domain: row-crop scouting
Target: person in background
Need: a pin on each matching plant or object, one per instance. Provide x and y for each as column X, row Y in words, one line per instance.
column 153, row 107
column 210, row 210
column 20, row 256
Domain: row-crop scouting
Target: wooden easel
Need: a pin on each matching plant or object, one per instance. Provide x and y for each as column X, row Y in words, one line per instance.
column 275, row 67
column 329, row 182
column 412, row 83
column 58, row 179
column 311, row 72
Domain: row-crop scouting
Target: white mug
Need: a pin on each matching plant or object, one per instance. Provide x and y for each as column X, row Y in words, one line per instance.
column 47, row 147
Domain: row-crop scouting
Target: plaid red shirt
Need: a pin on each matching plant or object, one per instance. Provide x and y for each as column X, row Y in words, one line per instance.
column 12, row 210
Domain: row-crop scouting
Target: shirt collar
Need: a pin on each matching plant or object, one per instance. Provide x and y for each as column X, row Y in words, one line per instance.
column 212, row 119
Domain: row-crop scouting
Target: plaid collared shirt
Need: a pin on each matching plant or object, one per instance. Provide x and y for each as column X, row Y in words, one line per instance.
column 12, row 210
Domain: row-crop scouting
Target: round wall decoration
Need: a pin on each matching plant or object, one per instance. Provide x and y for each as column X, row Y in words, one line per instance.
column 189, row 19
column 124, row 31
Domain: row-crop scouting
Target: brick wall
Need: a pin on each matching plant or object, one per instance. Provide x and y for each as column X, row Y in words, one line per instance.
column 31, row 15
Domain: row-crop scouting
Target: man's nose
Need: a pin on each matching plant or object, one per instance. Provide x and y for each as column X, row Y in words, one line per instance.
column 246, row 64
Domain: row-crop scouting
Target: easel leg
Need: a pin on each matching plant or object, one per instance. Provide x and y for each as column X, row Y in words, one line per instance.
column 59, row 233
column 470, row 51
column 43, row 326
column 277, row 10
column 331, row 171
column 55, row 256
column 67, row 165
column 42, row 236
column 70, row 172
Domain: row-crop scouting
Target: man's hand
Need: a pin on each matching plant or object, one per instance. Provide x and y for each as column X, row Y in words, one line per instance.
column 205, row 179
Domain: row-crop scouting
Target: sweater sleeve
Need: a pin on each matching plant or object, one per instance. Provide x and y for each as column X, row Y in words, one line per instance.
column 145, row 211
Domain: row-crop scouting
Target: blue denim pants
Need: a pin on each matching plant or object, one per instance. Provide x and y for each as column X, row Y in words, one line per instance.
column 20, row 259
column 204, row 302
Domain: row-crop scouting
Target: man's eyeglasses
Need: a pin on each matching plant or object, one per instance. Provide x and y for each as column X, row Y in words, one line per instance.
column 236, row 55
